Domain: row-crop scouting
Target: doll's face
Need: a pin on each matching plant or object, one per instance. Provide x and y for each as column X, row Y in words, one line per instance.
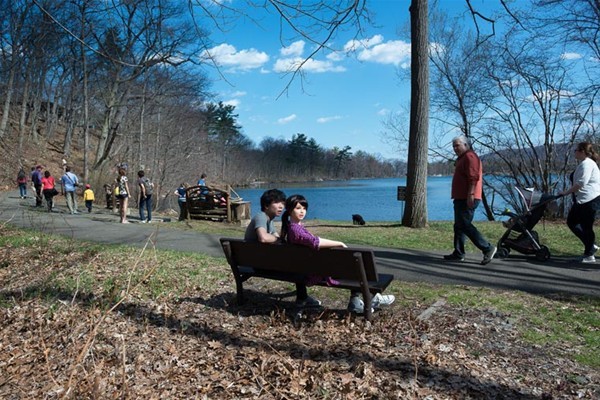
column 298, row 213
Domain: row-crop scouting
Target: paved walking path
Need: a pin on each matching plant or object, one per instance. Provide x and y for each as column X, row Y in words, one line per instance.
column 518, row 272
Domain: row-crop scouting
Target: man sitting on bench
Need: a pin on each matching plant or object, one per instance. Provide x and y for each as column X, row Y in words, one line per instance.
column 262, row 229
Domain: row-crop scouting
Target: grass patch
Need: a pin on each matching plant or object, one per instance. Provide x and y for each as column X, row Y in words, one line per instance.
column 438, row 236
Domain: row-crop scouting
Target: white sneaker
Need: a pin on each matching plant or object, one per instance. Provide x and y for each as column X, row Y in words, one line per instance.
column 588, row 260
column 356, row 305
column 382, row 300
column 595, row 248
column 142, row 221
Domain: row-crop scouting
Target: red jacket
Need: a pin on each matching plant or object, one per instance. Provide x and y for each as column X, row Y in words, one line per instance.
column 467, row 170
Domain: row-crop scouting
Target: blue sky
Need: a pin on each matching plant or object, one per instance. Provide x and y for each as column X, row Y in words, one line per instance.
column 344, row 97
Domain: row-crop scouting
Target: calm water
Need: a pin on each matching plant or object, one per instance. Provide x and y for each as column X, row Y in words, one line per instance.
column 374, row 199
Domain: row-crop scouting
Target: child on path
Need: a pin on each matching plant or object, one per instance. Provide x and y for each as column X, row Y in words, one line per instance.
column 22, row 182
column 88, row 197
column 294, row 232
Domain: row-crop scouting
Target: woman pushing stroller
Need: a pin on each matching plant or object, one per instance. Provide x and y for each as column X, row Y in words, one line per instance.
column 586, row 201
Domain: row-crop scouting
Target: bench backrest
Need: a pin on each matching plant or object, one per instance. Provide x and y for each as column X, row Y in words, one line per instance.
column 341, row 263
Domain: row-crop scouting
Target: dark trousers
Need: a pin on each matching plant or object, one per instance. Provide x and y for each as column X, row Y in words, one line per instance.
column 581, row 222
column 146, row 202
column 89, row 204
column 464, row 228
column 183, row 211
column 38, row 195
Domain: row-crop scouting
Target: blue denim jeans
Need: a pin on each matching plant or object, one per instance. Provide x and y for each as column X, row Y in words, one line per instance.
column 23, row 189
column 146, row 202
column 464, row 228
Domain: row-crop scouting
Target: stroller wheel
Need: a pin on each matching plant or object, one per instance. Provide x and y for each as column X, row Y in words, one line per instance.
column 543, row 254
column 503, row 252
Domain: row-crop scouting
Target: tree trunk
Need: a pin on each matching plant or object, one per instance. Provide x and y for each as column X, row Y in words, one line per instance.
column 7, row 100
column 415, row 215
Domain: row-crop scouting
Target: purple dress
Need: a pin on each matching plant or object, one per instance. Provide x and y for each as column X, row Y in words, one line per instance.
column 298, row 234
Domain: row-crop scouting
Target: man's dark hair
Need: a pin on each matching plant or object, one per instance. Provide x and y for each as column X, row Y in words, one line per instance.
column 271, row 196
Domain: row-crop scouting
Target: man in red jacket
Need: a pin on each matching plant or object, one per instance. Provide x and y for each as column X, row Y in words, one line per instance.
column 467, row 188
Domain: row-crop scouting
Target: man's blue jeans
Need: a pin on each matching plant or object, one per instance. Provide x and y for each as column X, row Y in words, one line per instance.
column 464, row 228
column 146, row 202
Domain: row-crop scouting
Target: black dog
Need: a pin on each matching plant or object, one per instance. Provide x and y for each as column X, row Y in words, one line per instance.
column 357, row 219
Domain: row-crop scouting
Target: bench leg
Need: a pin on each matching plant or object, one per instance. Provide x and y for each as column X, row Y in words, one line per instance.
column 368, row 301
column 239, row 285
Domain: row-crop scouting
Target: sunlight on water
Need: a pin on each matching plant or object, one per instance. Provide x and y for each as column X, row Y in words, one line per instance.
column 374, row 199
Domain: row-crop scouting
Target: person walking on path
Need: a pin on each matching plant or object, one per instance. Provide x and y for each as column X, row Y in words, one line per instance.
column 49, row 189
column 36, row 179
column 123, row 196
column 262, row 229
column 22, row 182
column 586, row 191
column 69, row 185
column 146, row 190
column 467, row 190
column 294, row 232
column 88, row 197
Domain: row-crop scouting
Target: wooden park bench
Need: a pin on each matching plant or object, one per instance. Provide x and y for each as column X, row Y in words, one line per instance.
column 204, row 202
column 354, row 268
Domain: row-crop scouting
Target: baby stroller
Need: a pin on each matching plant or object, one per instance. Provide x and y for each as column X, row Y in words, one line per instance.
column 520, row 235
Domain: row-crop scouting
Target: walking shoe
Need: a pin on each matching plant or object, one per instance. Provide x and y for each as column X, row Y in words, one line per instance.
column 357, row 306
column 588, row 259
column 454, row 257
column 595, row 249
column 308, row 302
column 489, row 255
column 142, row 222
column 382, row 300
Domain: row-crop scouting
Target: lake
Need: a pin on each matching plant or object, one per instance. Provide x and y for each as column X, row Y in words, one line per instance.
column 374, row 199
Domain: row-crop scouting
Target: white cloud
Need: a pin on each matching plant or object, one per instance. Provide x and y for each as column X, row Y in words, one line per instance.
column 232, row 102
column 228, row 56
column 354, row 45
column 334, row 57
column 323, row 120
column 571, row 56
column 396, row 52
column 287, row 119
column 238, row 94
column 291, row 64
column 295, row 49
column 383, row 112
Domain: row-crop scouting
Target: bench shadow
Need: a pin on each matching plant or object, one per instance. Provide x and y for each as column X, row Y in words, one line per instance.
column 404, row 368
column 259, row 303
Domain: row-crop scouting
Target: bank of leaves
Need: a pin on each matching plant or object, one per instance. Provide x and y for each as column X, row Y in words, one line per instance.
column 82, row 321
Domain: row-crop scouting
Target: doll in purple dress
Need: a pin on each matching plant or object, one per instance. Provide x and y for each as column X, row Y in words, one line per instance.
column 294, row 232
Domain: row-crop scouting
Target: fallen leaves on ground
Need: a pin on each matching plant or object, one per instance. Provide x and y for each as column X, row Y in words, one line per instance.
column 94, row 343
